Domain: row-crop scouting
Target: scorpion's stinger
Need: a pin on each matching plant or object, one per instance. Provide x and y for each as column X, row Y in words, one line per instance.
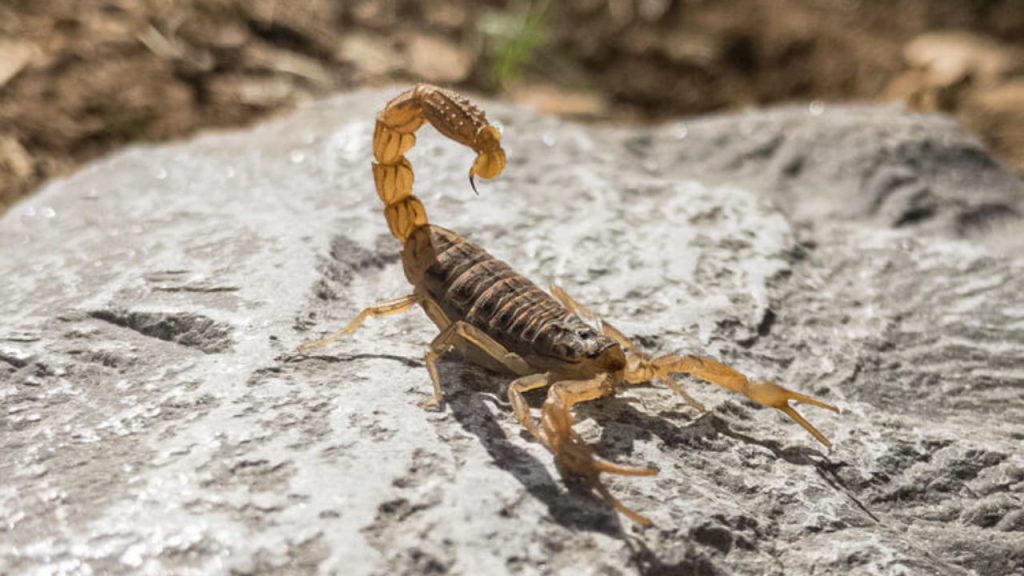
column 490, row 160
column 453, row 116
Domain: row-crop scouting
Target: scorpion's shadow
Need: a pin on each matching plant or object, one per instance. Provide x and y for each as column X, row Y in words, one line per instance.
column 470, row 388
column 622, row 424
column 467, row 390
column 578, row 509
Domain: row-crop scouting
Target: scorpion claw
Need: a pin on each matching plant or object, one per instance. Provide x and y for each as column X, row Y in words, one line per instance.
column 764, row 393
column 779, row 397
column 617, row 505
column 575, row 458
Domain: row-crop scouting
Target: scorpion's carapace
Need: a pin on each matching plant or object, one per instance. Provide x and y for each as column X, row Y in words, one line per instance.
column 500, row 319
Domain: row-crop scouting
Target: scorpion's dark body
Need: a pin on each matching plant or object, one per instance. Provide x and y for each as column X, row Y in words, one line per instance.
column 470, row 284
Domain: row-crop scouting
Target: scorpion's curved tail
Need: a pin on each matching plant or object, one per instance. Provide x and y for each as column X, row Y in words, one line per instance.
column 452, row 115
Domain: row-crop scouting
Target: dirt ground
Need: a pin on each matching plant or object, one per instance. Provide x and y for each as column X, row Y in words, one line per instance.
column 79, row 78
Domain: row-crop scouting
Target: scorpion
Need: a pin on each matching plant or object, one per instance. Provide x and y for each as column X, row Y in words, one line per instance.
column 499, row 319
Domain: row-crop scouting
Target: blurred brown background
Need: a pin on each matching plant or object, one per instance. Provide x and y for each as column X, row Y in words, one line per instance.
column 81, row 77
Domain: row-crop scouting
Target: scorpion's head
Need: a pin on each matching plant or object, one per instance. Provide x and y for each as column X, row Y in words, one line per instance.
column 490, row 159
column 576, row 344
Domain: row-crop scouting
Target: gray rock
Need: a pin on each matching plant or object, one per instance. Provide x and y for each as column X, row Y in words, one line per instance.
column 156, row 416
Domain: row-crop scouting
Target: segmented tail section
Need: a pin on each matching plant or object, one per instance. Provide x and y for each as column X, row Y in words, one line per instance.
column 395, row 133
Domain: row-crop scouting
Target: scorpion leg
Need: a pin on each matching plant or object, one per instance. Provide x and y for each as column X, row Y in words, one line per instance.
column 461, row 333
column 627, row 344
column 764, row 393
column 675, row 387
column 386, row 308
column 519, row 405
column 572, row 454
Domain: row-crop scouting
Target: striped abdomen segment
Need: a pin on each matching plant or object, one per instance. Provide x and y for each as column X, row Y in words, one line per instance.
column 474, row 286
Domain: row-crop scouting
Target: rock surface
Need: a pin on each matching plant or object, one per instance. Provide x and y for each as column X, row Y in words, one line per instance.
column 156, row 417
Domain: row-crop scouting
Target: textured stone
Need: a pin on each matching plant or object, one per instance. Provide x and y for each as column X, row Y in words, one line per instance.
column 156, row 417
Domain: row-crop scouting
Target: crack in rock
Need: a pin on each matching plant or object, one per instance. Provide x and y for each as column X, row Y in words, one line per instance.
column 185, row 328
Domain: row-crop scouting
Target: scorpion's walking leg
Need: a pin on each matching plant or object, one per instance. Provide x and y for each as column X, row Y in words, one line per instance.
column 519, row 406
column 386, row 308
column 764, row 393
column 627, row 344
column 572, row 454
column 461, row 333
